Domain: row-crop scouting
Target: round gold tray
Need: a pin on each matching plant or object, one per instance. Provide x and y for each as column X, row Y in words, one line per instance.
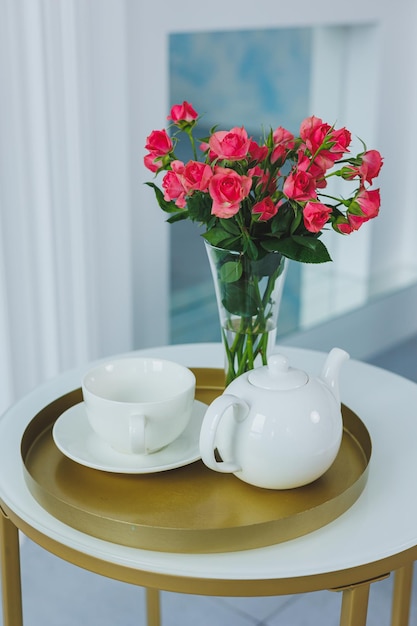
column 190, row 509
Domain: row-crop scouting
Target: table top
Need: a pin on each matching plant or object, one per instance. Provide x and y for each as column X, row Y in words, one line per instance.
column 376, row 535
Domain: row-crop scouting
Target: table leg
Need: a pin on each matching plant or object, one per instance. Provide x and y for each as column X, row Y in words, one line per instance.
column 10, row 572
column 153, row 607
column 403, row 579
column 355, row 605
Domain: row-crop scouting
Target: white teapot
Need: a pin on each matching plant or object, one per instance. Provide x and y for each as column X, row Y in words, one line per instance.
column 275, row 426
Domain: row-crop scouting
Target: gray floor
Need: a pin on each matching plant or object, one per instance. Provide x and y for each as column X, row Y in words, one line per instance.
column 56, row 593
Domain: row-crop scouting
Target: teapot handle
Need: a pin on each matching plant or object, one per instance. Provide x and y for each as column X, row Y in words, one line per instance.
column 209, row 427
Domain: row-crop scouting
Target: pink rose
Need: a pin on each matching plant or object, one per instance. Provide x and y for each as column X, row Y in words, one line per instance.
column 315, row 216
column 182, row 113
column 369, row 202
column 159, row 143
column 227, row 189
column 369, row 168
column 322, row 162
column 264, row 182
column 326, row 158
column 196, row 176
column 343, row 227
column 174, row 189
column 356, row 221
column 151, row 162
column 266, row 209
column 300, row 185
column 204, row 147
column 315, row 167
column 319, row 136
column 178, row 168
column 281, row 136
column 279, row 154
column 337, row 143
column 232, row 145
column 371, row 165
column 313, row 132
column 283, row 142
column 256, row 172
column 341, row 141
column 256, row 152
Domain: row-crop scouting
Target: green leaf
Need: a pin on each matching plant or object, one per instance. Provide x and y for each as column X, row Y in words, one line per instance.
column 178, row 217
column 249, row 246
column 307, row 242
column 240, row 298
column 231, row 271
column 296, row 221
column 301, row 249
column 232, row 243
column 268, row 264
column 281, row 223
column 168, row 207
column 199, row 207
column 230, row 226
column 216, row 236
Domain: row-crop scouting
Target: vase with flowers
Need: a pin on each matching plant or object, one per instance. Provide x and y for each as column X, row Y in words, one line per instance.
column 261, row 203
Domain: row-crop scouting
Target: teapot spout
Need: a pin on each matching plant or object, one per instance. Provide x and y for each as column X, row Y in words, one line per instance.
column 331, row 370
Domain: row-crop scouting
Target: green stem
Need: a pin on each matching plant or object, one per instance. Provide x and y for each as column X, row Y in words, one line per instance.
column 325, row 195
column 191, row 138
column 250, row 334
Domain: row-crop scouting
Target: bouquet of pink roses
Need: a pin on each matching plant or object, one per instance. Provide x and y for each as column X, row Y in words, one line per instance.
column 257, row 197
column 260, row 202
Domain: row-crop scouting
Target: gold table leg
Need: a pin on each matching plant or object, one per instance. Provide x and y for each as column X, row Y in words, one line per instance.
column 153, row 607
column 355, row 605
column 403, row 579
column 10, row 572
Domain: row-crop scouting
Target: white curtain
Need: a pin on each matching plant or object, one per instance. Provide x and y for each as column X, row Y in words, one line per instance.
column 65, row 197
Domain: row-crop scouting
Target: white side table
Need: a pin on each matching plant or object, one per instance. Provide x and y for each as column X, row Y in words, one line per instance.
column 383, row 521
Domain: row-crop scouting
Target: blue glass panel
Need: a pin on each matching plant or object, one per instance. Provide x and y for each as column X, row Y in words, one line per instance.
column 259, row 79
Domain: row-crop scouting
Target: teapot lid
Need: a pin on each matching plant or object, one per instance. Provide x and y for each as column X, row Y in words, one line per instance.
column 277, row 375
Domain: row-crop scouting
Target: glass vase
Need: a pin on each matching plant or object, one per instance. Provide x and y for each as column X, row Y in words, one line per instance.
column 248, row 298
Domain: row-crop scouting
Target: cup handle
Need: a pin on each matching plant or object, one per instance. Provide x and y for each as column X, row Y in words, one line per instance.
column 137, row 427
column 209, row 427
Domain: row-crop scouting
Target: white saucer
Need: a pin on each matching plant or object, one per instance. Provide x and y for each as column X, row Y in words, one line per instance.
column 76, row 439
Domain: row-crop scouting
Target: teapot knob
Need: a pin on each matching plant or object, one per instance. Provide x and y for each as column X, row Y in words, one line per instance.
column 277, row 375
column 278, row 364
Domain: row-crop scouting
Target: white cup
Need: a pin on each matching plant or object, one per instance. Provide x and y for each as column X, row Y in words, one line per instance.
column 139, row 405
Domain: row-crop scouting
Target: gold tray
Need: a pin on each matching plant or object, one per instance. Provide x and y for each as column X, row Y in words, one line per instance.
column 190, row 509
